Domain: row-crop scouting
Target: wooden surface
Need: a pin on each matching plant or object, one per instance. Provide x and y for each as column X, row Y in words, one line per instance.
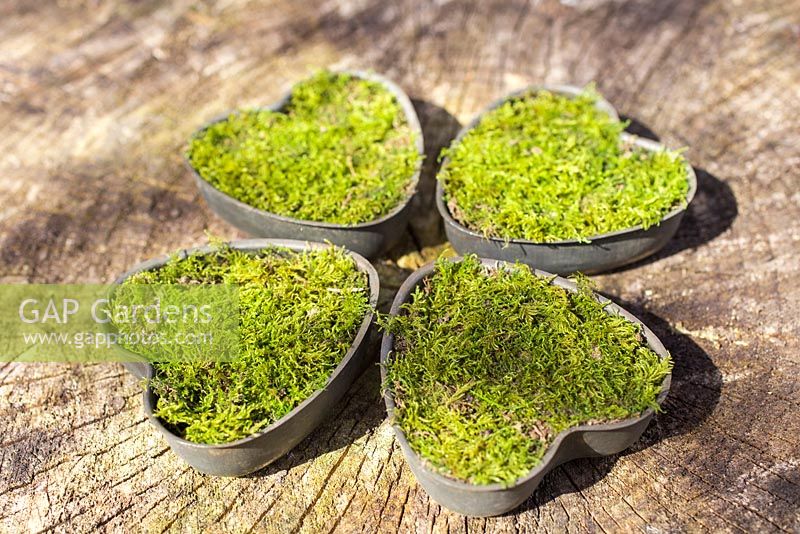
column 97, row 99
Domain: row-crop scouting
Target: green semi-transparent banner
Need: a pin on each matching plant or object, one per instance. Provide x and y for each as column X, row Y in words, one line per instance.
column 118, row 323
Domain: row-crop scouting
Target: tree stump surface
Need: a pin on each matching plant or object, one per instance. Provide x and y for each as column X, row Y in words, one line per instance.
column 97, row 100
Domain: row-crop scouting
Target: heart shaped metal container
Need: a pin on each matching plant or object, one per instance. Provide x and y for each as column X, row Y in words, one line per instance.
column 253, row 452
column 602, row 252
column 576, row 442
column 368, row 238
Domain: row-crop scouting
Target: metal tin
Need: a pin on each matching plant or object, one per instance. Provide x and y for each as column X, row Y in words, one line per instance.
column 602, row 252
column 576, row 442
column 249, row 454
column 368, row 239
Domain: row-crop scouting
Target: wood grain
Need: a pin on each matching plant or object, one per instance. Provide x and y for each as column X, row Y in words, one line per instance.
column 97, row 99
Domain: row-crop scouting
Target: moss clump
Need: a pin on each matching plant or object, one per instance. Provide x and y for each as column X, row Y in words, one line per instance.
column 299, row 313
column 491, row 365
column 544, row 167
column 341, row 152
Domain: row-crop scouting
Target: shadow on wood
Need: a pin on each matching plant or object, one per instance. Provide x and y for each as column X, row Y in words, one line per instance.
column 636, row 127
column 439, row 128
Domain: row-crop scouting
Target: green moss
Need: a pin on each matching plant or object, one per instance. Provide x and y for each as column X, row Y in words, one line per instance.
column 544, row 167
column 491, row 365
column 298, row 315
column 342, row 152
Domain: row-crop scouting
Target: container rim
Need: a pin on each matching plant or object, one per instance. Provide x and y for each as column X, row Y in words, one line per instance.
column 254, row 245
column 544, row 465
column 602, row 104
column 413, row 122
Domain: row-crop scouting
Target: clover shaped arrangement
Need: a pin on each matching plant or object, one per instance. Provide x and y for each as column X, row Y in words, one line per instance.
column 493, row 372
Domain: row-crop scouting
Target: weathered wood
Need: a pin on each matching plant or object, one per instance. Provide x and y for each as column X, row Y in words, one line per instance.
column 97, row 99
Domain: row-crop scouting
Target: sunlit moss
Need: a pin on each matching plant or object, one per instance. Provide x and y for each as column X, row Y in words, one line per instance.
column 299, row 313
column 341, row 152
column 489, row 366
column 544, row 167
